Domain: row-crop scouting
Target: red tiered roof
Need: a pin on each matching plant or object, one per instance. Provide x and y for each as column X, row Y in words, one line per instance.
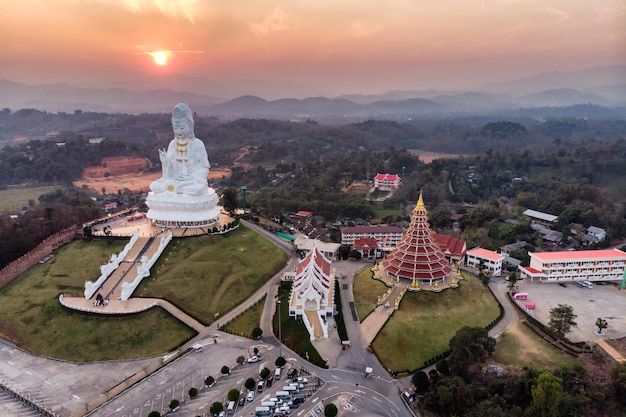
column 418, row 256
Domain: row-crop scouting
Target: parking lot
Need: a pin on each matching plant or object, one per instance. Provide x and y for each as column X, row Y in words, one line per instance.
column 605, row 301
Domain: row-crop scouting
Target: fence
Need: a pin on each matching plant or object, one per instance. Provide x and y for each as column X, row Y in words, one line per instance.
column 40, row 253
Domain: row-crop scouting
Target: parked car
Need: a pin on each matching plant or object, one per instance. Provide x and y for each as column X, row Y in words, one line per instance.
column 250, row 396
column 562, row 284
column 253, row 359
column 242, row 401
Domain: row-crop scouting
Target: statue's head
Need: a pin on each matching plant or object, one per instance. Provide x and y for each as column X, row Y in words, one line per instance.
column 183, row 112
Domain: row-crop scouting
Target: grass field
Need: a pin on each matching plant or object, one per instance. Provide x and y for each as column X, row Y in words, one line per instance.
column 381, row 213
column 366, row 293
column 247, row 321
column 202, row 275
column 519, row 346
column 209, row 275
column 32, row 317
column 426, row 321
column 14, row 198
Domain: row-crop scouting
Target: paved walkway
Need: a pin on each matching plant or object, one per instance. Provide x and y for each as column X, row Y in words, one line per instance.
column 377, row 318
column 611, row 351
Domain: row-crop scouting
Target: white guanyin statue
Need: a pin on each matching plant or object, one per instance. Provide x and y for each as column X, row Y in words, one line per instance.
column 182, row 197
column 185, row 162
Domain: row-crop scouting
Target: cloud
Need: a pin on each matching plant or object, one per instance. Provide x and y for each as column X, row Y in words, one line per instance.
column 363, row 30
column 560, row 16
column 175, row 9
column 273, row 22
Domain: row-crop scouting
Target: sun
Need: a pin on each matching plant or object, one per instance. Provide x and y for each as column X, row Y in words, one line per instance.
column 160, row 57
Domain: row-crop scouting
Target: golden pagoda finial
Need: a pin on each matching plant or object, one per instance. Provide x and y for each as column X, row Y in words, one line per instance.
column 420, row 202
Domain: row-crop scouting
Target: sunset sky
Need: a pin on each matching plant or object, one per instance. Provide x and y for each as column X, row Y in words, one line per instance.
column 332, row 46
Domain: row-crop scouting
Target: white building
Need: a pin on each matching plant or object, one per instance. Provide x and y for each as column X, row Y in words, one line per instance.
column 313, row 294
column 306, row 245
column 492, row 261
column 387, row 237
column 596, row 233
column 585, row 265
column 387, row 182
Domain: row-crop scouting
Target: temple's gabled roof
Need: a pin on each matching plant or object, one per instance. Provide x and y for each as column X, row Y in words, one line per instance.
column 313, row 272
column 417, row 256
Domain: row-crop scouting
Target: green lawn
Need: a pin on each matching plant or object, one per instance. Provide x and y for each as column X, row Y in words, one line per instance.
column 426, row 321
column 209, row 275
column 32, row 317
column 366, row 292
column 248, row 320
column 381, row 213
column 14, row 198
column 202, row 275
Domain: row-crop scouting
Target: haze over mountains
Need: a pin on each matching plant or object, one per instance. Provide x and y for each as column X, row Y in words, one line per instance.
column 599, row 91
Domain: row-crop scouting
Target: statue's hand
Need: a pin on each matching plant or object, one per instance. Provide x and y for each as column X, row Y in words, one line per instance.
column 163, row 156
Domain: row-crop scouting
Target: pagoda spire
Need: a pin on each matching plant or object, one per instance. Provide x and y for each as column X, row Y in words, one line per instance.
column 420, row 203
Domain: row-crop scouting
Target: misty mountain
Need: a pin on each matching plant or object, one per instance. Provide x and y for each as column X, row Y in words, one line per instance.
column 604, row 88
column 580, row 80
column 67, row 98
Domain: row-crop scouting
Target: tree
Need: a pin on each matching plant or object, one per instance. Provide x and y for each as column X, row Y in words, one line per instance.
column 154, row 414
column 280, row 361
column 547, row 395
column 330, row 410
column 173, row 404
column 420, row 381
column 233, row 394
column 230, row 200
column 225, row 370
column 241, row 360
column 601, row 324
column 250, row 384
column 193, row 392
column 470, row 345
column 512, row 279
column 209, row 380
column 265, row 373
column 257, row 332
column 256, row 351
column 443, row 366
column 618, row 379
column 216, row 408
column 562, row 320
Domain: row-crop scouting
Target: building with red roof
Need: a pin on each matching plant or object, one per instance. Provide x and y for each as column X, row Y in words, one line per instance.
column 417, row 257
column 453, row 248
column 387, row 182
column 366, row 246
column 312, row 297
column 492, row 261
column 584, row 265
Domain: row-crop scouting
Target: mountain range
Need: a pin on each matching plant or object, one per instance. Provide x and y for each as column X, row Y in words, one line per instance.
column 595, row 88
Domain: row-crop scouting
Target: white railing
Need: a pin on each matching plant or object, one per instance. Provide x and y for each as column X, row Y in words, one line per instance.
column 108, row 268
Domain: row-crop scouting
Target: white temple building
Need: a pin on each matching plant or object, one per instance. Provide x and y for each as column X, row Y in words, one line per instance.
column 313, row 294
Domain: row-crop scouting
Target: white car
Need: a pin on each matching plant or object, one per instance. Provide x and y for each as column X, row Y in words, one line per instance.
column 250, row 396
column 253, row 359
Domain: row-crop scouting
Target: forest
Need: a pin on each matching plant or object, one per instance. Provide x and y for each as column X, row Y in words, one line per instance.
column 572, row 168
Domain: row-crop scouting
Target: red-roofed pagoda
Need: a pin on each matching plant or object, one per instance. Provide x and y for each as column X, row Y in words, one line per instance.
column 417, row 257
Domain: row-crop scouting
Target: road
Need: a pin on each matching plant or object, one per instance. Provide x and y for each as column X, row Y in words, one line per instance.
column 345, row 383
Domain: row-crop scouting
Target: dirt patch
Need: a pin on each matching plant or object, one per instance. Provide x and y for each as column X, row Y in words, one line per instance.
column 121, row 172
column 117, row 166
column 428, row 157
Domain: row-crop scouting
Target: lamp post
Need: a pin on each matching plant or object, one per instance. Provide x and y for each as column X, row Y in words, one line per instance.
column 244, row 188
column 280, row 335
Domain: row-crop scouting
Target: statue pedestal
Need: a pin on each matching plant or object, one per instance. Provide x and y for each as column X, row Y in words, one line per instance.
column 171, row 209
